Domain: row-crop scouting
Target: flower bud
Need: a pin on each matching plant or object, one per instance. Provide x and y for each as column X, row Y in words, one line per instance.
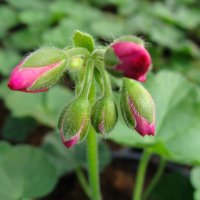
column 129, row 57
column 74, row 122
column 39, row 71
column 138, row 107
column 104, row 114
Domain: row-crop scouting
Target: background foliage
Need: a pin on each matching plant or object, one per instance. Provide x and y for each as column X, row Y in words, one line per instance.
column 172, row 31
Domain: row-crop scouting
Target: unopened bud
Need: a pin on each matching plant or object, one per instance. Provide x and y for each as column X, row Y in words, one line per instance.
column 74, row 122
column 128, row 56
column 39, row 71
column 104, row 114
column 138, row 107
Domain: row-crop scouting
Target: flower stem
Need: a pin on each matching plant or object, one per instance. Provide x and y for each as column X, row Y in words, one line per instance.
column 107, row 89
column 83, row 182
column 87, row 79
column 141, row 175
column 156, row 178
column 92, row 153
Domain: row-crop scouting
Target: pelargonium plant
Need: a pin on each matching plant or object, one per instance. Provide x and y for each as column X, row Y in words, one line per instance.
column 88, row 114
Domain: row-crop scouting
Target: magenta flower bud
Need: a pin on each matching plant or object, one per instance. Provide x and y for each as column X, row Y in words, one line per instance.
column 39, row 71
column 74, row 122
column 138, row 107
column 129, row 58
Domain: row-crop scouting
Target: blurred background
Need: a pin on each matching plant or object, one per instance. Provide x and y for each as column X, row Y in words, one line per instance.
column 33, row 162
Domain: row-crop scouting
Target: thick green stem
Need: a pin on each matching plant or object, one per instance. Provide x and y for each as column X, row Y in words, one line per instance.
column 92, row 153
column 156, row 178
column 107, row 89
column 83, row 182
column 141, row 176
column 87, row 79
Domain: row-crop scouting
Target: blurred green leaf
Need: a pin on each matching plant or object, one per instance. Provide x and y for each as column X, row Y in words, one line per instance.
column 35, row 17
column 44, row 107
column 9, row 16
column 67, row 160
column 165, row 190
column 24, row 39
column 195, row 177
column 9, row 59
column 25, row 172
column 24, row 4
column 166, row 35
column 177, row 124
column 17, row 129
column 61, row 34
column 4, row 148
column 197, row 195
column 180, row 16
column 107, row 27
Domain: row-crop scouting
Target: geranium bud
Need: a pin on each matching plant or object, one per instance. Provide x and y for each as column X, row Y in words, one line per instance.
column 39, row 71
column 128, row 58
column 138, row 107
column 74, row 122
column 104, row 114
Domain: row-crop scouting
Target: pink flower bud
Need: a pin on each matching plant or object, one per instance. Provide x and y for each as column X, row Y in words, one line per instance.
column 39, row 71
column 138, row 107
column 74, row 122
column 134, row 61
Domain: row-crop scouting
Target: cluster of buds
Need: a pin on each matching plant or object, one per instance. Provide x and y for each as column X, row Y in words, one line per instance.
column 126, row 58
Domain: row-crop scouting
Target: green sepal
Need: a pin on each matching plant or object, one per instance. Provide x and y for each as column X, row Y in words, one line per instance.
column 84, row 40
column 98, row 78
column 44, row 57
column 50, row 78
column 75, row 117
column 130, row 38
column 125, row 109
column 104, row 111
column 141, row 98
column 110, row 59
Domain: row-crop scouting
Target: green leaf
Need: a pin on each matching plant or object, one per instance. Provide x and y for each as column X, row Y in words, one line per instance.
column 177, row 120
column 34, row 17
column 24, row 4
column 24, row 39
column 197, row 195
column 180, row 15
column 9, row 16
column 6, row 64
column 5, row 147
column 166, row 190
column 84, row 40
column 61, row 34
column 67, row 160
column 25, row 172
column 108, row 27
column 195, row 177
column 44, row 107
column 17, row 129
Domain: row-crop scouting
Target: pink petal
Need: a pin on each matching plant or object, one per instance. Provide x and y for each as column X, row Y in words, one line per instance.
column 23, row 78
column 135, row 60
column 143, row 127
column 74, row 139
